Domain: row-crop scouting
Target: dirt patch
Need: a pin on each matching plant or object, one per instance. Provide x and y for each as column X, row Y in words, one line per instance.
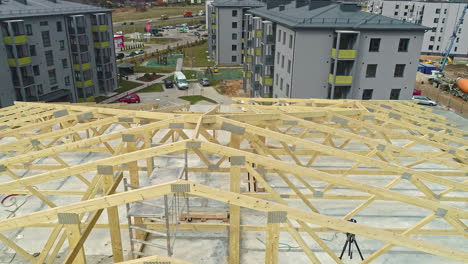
column 454, row 71
column 149, row 77
column 230, row 88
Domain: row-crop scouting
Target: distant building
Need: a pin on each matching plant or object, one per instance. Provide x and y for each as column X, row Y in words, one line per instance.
column 440, row 16
column 318, row 49
column 55, row 51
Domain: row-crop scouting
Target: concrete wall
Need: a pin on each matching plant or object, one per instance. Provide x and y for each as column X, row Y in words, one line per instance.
column 283, row 49
column 386, row 59
column 224, row 35
column 7, row 92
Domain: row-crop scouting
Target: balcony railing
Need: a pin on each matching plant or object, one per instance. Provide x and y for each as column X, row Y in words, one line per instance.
column 258, row 33
column 343, row 54
column 84, row 84
column 104, row 44
column 84, row 66
column 267, row 80
column 99, row 28
column 270, row 39
column 17, row 39
column 21, row 61
column 258, row 51
column 341, row 80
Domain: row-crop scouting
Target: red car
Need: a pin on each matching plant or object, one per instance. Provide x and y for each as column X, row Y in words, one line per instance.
column 416, row 92
column 130, row 98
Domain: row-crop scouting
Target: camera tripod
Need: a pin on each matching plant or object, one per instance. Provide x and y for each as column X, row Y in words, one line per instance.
column 350, row 239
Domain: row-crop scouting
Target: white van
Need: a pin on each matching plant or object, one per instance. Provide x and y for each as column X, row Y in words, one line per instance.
column 180, row 81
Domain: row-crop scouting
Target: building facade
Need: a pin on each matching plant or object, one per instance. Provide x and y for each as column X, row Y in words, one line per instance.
column 440, row 16
column 55, row 51
column 323, row 49
column 225, row 20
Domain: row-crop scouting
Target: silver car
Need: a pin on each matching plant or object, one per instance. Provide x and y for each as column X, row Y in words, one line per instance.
column 423, row 100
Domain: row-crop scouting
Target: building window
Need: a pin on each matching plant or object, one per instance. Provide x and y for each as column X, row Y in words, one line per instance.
column 49, row 58
column 32, row 50
column 443, row 20
column 281, row 84
column 234, row 24
column 437, row 11
column 431, row 47
column 457, row 40
column 67, row 80
column 455, row 49
column 439, row 39
column 287, row 89
column 59, row 26
column 36, row 70
column 62, row 44
column 64, row 63
column 290, row 41
column 396, row 14
column 397, row 6
column 289, row 66
column 39, row 89
column 371, row 70
column 234, row 13
column 276, row 79
column 437, row 48
column 405, row 13
column 29, row 30
column 234, row 47
column 45, row 38
column 282, row 61
column 403, row 45
column 399, row 70
column 433, row 29
column 234, row 36
column 374, row 45
column 52, row 77
column 44, row 23
column 278, row 57
column 441, row 29
column 395, row 94
column 234, row 59
column 436, row 20
column 432, row 38
column 406, row 6
column 279, row 35
column 284, row 38
column 367, row 94
column 445, row 11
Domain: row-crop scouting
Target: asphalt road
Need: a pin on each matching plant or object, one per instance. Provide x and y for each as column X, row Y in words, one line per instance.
column 138, row 22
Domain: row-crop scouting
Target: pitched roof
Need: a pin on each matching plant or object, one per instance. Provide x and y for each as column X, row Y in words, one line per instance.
column 12, row 9
column 334, row 15
column 238, row 3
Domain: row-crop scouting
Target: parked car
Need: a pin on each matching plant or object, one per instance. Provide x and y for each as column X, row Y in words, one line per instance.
column 171, row 27
column 181, row 30
column 205, row 82
column 131, row 23
column 200, row 29
column 124, row 23
column 191, row 27
column 159, row 34
column 423, row 100
column 179, row 25
column 140, row 51
column 168, row 83
column 131, row 54
column 130, row 98
column 119, row 33
column 196, row 33
column 205, row 35
column 120, row 55
column 416, row 92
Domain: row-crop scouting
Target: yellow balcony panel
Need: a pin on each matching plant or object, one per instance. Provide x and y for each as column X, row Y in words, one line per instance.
column 341, row 80
column 248, row 58
column 249, row 74
column 99, row 28
column 84, row 66
column 104, row 44
column 268, row 80
column 258, row 33
column 21, row 61
column 330, row 78
column 344, row 54
column 18, row 39
column 242, row 51
column 85, row 83
column 258, row 51
column 260, row 80
column 213, row 26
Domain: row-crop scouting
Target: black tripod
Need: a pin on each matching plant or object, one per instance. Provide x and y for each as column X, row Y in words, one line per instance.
column 350, row 239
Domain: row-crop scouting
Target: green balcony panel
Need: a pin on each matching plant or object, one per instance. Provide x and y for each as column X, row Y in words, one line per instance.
column 99, row 28
column 18, row 39
column 104, row 44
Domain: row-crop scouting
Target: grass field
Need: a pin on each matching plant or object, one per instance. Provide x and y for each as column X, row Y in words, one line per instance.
column 199, row 54
column 129, row 14
column 154, row 69
column 157, row 87
column 161, row 41
column 193, row 99
column 142, row 28
column 190, row 74
column 125, row 85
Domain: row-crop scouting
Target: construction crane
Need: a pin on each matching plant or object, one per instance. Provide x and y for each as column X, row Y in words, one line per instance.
column 452, row 40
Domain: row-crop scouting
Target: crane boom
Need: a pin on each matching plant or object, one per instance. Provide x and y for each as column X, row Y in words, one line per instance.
column 452, row 39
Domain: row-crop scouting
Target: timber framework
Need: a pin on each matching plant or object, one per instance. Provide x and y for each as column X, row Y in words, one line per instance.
column 285, row 168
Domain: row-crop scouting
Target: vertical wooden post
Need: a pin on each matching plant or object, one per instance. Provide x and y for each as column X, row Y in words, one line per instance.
column 149, row 161
column 71, row 224
column 234, row 217
column 274, row 219
column 112, row 215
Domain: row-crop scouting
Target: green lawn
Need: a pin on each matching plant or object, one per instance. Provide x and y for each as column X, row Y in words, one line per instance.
column 154, row 69
column 199, row 55
column 142, row 28
column 161, row 41
column 129, row 14
column 193, row 99
column 157, row 87
column 190, row 74
column 125, row 85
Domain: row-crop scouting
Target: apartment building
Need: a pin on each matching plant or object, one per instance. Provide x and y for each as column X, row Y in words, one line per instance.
column 54, row 50
column 324, row 49
column 225, row 28
column 440, row 16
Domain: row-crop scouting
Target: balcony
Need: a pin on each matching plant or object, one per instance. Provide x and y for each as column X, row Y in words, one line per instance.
column 84, row 84
column 269, row 60
column 21, row 61
column 247, row 74
column 213, row 15
column 84, row 66
column 270, row 39
column 267, row 80
column 104, row 44
column 258, row 51
column 213, row 26
column 248, row 58
column 99, row 28
column 258, row 68
column 341, row 80
column 344, row 54
column 17, row 39
column 258, row 33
